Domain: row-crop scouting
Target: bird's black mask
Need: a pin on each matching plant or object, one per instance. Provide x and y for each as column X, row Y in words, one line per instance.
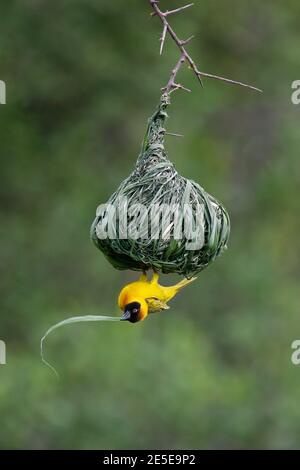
column 132, row 312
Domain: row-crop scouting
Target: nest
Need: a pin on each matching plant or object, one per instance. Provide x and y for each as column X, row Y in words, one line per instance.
column 162, row 220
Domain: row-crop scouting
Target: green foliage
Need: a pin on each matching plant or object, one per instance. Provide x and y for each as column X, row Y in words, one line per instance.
column 214, row 371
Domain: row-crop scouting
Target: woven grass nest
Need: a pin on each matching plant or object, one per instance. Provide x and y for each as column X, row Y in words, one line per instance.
column 155, row 183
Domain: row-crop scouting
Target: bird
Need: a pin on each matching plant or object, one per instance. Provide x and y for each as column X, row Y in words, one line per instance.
column 142, row 297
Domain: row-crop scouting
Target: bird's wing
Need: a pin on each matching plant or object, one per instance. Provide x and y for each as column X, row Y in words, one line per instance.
column 156, row 305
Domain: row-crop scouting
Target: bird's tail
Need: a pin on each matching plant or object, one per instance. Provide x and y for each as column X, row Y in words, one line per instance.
column 184, row 283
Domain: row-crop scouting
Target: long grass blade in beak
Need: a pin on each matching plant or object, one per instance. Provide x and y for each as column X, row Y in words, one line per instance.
column 78, row 319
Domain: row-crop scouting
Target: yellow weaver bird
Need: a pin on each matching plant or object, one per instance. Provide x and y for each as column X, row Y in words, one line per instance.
column 142, row 297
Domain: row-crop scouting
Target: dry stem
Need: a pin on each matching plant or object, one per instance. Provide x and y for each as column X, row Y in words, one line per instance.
column 184, row 55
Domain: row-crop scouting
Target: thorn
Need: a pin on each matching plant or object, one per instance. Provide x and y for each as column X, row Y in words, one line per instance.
column 227, row 80
column 177, row 10
column 183, row 42
column 174, row 135
column 163, row 38
column 198, row 74
column 178, row 86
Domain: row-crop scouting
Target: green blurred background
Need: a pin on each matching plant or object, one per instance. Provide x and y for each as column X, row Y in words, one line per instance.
column 214, row 371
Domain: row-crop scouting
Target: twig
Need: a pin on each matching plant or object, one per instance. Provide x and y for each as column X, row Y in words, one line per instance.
column 180, row 43
column 172, row 85
column 184, row 56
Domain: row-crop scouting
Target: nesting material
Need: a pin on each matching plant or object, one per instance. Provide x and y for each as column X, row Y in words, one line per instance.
column 156, row 185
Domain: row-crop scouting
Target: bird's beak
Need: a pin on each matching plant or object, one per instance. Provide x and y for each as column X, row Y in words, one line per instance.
column 126, row 315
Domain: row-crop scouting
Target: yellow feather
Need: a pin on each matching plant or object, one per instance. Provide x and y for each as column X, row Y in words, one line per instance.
column 152, row 292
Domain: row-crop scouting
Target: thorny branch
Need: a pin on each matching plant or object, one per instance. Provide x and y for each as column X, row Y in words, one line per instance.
column 184, row 55
column 172, row 85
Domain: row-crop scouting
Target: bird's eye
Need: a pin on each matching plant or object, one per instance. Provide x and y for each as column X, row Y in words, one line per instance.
column 135, row 310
